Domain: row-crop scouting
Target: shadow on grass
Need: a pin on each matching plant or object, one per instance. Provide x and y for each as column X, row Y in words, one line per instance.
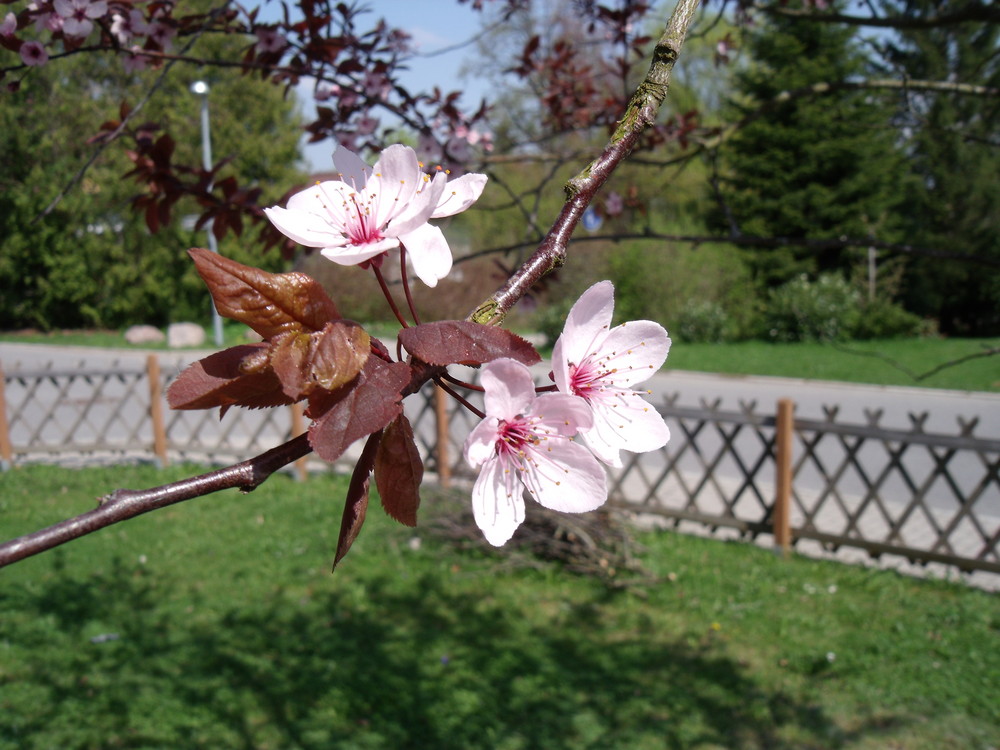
column 98, row 662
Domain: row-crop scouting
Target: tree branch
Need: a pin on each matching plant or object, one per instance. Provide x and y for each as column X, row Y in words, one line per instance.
column 766, row 243
column 975, row 12
column 640, row 113
column 124, row 504
column 247, row 475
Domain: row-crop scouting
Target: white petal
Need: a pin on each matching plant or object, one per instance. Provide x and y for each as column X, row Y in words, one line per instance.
column 588, row 322
column 460, row 193
column 428, row 251
column 624, row 421
column 509, row 389
column 419, row 207
column 565, row 476
column 305, row 228
column 352, row 255
column 325, row 199
column 352, row 168
column 497, row 503
column 634, row 351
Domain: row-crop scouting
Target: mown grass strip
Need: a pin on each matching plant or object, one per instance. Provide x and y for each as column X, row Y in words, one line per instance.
column 217, row 623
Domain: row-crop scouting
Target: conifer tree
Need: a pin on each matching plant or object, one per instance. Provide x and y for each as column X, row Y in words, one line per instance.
column 815, row 166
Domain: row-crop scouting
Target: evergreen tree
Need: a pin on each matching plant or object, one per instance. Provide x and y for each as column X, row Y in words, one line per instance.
column 813, row 166
column 953, row 144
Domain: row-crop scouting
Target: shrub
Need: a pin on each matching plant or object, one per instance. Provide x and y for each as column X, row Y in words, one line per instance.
column 702, row 321
column 882, row 319
column 827, row 309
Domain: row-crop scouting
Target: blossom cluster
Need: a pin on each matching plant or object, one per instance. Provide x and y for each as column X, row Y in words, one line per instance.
column 527, row 441
column 72, row 21
column 553, row 443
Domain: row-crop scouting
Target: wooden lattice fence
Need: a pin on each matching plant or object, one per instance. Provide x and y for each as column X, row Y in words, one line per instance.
column 924, row 496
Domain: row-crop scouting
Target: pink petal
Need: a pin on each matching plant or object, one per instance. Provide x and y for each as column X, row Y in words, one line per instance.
column 497, row 503
column 566, row 477
column 460, row 193
column 429, row 253
column 587, row 323
column 562, row 413
column 509, row 389
column 480, row 446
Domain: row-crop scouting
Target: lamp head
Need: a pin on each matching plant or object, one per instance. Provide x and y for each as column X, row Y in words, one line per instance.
column 200, row 88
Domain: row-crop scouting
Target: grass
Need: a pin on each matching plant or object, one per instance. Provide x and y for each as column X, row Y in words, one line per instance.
column 890, row 362
column 232, row 334
column 217, row 624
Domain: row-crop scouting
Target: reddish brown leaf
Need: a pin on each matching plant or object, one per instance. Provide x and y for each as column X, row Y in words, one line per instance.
column 359, row 408
column 399, row 471
column 324, row 359
column 462, row 342
column 227, row 378
column 356, row 504
column 270, row 303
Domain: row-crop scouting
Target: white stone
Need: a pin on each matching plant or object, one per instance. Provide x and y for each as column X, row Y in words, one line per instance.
column 138, row 335
column 181, row 335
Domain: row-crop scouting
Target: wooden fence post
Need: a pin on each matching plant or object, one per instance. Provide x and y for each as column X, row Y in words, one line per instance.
column 6, row 449
column 443, row 432
column 783, row 440
column 298, row 427
column 156, row 408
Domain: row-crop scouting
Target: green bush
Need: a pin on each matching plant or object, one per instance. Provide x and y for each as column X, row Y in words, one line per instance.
column 702, row 321
column 827, row 309
column 706, row 292
column 882, row 319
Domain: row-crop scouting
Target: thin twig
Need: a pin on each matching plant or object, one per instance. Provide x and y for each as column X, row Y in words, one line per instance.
column 388, row 297
column 403, row 277
column 988, row 351
column 640, row 113
column 123, row 504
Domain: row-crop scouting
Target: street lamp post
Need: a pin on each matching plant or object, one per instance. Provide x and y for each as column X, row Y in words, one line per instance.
column 200, row 88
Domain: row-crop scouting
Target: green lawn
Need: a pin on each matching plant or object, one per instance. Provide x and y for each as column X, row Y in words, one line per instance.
column 891, row 362
column 217, row 624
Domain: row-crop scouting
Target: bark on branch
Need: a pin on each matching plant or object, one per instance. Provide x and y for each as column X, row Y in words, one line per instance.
column 581, row 189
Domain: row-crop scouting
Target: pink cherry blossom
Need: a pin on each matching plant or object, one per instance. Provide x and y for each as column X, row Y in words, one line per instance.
column 9, row 25
column 125, row 27
column 371, row 210
column 525, row 442
column 77, row 15
column 34, row 54
column 269, row 39
column 600, row 363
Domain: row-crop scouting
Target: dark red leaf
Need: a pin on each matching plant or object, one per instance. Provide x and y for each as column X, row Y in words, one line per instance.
column 463, row 342
column 322, row 359
column 270, row 303
column 356, row 504
column 359, row 408
column 399, row 471
column 232, row 377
